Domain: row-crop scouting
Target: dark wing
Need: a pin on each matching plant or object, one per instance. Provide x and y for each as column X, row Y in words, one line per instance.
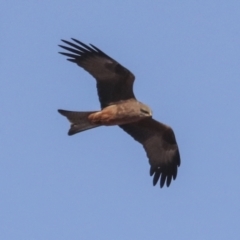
column 114, row 82
column 161, row 147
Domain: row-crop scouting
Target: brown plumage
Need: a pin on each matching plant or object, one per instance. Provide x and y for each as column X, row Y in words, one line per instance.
column 120, row 107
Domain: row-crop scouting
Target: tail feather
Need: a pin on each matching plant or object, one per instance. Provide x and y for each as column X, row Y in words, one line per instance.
column 79, row 121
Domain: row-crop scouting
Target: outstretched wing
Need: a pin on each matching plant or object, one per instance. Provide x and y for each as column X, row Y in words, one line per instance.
column 161, row 147
column 114, row 82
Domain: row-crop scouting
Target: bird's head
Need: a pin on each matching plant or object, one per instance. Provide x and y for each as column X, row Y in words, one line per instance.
column 145, row 111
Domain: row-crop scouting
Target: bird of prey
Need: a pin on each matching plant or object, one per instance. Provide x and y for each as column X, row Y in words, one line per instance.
column 120, row 107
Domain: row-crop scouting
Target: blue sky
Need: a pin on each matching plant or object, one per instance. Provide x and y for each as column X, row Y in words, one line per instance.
column 96, row 185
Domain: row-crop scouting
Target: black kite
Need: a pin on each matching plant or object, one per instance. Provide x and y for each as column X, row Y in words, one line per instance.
column 120, row 107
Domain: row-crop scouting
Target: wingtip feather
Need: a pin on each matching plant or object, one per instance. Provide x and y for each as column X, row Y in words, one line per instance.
column 162, row 180
column 151, row 172
column 155, row 178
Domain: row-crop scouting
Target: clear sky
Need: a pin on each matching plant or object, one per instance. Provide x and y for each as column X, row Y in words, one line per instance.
column 96, row 185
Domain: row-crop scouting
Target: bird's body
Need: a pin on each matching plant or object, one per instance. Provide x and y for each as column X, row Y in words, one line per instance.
column 120, row 107
column 123, row 112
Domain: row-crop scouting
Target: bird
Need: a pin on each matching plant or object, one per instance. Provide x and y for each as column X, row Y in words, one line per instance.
column 119, row 107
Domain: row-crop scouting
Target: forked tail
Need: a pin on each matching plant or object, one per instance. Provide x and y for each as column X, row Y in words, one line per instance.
column 79, row 121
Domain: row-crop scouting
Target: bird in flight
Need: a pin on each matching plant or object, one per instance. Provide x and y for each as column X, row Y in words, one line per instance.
column 120, row 107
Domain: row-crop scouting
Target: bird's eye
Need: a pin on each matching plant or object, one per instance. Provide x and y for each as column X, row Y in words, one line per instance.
column 144, row 111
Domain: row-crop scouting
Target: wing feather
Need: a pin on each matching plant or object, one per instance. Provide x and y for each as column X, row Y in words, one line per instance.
column 161, row 147
column 114, row 82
